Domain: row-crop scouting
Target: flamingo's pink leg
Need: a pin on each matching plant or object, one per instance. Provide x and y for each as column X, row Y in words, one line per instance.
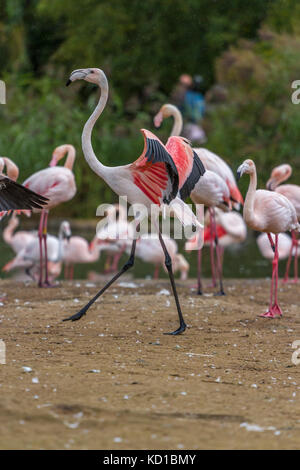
column 218, row 254
column 71, row 272
column 288, row 264
column 295, row 243
column 156, row 271
column 274, row 309
column 199, row 272
column 47, row 283
column 66, row 269
column 116, row 259
column 40, row 235
column 212, row 257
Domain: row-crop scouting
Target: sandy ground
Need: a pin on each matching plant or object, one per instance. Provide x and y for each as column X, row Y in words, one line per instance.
column 114, row 381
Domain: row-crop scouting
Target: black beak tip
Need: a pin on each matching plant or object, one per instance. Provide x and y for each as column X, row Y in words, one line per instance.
column 68, row 82
column 238, row 175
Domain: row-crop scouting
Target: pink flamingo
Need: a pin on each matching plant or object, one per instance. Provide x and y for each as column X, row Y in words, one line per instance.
column 272, row 213
column 17, row 240
column 154, row 178
column 284, row 246
column 212, row 190
column 77, row 250
column 14, row 196
column 292, row 192
column 29, row 258
column 57, row 183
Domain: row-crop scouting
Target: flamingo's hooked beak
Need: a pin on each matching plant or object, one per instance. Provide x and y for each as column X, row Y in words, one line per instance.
column 238, row 175
column 68, row 82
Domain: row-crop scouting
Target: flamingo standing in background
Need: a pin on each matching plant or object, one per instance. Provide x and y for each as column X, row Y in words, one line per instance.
column 292, row 192
column 57, row 183
column 211, row 190
column 78, row 250
column 284, row 246
column 272, row 213
column 17, row 240
column 14, row 196
column 154, row 178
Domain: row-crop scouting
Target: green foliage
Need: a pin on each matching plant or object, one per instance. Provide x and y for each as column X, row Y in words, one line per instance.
column 258, row 120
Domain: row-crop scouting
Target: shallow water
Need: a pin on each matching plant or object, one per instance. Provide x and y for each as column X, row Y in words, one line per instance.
column 240, row 261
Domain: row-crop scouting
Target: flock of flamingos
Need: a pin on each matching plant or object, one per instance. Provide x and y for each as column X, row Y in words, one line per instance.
column 164, row 175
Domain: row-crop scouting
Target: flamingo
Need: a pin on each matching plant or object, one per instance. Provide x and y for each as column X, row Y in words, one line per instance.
column 292, row 191
column 284, row 246
column 57, row 183
column 29, row 256
column 78, row 250
column 14, row 196
column 272, row 213
column 17, row 240
column 211, row 190
column 154, row 178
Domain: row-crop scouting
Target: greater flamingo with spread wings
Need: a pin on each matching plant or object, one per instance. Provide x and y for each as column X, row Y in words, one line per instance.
column 57, row 183
column 292, row 191
column 270, row 212
column 155, row 177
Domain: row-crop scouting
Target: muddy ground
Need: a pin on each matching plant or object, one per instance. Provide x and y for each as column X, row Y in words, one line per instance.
column 114, row 381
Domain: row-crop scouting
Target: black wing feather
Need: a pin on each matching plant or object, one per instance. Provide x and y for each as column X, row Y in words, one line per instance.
column 157, row 153
column 14, row 196
column 196, row 173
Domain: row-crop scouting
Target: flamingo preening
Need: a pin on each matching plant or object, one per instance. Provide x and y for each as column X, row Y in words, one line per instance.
column 14, row 196
column 29, row 256
column 17, row 240
column 212, row 190
column 155, row 177
column 270, row 212
column 57, row 183
column 292, row 191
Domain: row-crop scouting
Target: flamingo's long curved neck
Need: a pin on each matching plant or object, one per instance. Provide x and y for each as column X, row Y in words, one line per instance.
column 248, row 213
column 178, row 122
column 86, row 138
column 70, row 157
